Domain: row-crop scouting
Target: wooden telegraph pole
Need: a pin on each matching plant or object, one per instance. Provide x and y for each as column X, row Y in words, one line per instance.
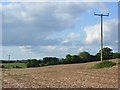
column 101, row 15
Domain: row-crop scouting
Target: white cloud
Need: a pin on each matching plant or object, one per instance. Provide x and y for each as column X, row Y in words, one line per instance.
column 110, row 32
column 92, row 33
column 71, row 37
column 81, row 49
column 32, row 28
column 31, row 23
column 58, row 51
column 26, row 49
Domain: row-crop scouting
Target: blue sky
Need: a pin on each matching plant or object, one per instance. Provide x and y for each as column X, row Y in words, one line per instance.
column 36, row 30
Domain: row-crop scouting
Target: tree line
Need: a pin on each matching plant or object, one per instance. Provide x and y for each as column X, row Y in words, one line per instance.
column 82, row 57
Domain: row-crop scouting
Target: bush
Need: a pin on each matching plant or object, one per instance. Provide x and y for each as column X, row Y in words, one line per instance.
column 53, row 60
column 18, row 67
column 2, row 66
column 47, row 64
column 116, row 55
column 104, row 64
column 42, row 64
column 118, row 62
column 32, row 63
column 14, row 66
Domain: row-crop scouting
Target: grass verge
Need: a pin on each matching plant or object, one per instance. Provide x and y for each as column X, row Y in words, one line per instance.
column 104, row 64
column 15, row 65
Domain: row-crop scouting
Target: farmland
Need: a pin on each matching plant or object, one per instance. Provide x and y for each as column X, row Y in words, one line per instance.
column 62, row 76
column 13, row 65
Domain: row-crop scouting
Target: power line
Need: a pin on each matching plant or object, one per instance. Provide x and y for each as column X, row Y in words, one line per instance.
column 101, row 15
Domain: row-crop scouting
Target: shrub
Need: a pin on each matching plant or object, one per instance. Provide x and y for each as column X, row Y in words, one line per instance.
column 2, row 66
column 53, row 60
column 14, row 67
column 18, row 67
column 42, row 64
column 32, row 63
column 104, row 64
column 47, row 64
column 116, row 55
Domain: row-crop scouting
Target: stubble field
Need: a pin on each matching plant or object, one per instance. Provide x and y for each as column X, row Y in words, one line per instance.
column 61, row 76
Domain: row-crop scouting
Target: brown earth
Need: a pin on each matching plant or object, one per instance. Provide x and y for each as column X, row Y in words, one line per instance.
column 62, row 76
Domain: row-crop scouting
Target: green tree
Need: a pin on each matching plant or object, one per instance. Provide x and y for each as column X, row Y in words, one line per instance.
column 85, row 56
column 39, row 61
column 50, row 60
column 116, row 55
column 32, row 63
column 68, row 58
column 62, row 61
column 75, row 59
column 107, row 53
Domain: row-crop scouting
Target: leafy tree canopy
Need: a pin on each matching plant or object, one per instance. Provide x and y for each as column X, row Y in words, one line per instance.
column 107, row 53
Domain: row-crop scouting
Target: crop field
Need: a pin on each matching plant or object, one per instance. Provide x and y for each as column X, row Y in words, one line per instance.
column 13, row 65
column 61, row 76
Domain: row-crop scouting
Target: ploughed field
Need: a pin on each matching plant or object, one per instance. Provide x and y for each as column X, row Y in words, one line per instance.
column 61, row 76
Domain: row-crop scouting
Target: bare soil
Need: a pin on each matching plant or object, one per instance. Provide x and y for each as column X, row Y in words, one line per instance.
column 62, row 76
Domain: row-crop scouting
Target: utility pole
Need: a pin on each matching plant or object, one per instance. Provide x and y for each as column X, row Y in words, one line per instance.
column 101, row 15
column 9, row 61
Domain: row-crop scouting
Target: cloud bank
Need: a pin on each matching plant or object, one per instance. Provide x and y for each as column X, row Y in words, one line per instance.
column 33, row 23
column 47, row 29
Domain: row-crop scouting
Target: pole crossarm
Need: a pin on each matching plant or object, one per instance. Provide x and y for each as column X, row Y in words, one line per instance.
column 101, row 15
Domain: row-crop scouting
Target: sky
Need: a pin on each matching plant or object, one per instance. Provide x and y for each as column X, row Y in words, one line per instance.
column 41, row 29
